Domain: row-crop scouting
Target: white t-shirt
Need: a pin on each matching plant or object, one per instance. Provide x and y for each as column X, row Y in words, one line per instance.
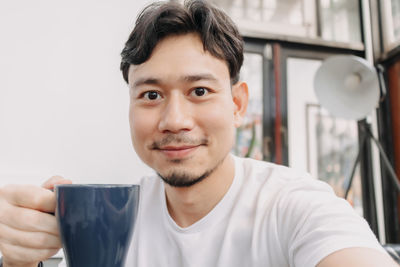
column 271, row 216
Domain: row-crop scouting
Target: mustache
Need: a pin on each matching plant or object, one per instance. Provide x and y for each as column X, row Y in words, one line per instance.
column 177, row 139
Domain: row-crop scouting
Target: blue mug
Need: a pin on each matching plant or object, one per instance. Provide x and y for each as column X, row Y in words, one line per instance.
column 96, row 223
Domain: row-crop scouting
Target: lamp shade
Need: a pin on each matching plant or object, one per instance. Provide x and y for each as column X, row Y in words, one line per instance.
column 347, row 86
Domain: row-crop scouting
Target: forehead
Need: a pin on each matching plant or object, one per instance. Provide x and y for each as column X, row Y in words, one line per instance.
column 177, row 56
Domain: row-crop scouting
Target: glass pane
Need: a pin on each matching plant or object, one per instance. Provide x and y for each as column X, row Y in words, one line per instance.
column 320, row 144
column 249, row 135
column 340, row 20
column 396, row 19
column 285, row 17
column 289, row 11
column 391, row 23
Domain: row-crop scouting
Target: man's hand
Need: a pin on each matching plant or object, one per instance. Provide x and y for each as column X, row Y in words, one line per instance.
column 28, row 228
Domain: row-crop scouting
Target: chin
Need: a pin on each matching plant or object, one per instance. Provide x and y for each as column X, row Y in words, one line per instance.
column 184, row 179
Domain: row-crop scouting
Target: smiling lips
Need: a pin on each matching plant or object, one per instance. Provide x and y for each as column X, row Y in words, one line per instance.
column 178, row 151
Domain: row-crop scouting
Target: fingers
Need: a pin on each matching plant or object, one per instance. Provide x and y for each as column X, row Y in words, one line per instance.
column 36, row 240
column 33, row 197
column 29, row 196
column 28, row 220
column 21, row 256
column 28, row 233
column 49, row 184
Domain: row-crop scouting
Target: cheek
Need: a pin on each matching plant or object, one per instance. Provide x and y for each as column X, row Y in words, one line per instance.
column 141, row 124
column 219, row 118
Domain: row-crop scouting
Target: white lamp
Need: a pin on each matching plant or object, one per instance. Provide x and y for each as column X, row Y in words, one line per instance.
column 347, row 86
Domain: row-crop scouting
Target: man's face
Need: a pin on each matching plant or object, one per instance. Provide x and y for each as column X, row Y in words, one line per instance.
column 182, row 112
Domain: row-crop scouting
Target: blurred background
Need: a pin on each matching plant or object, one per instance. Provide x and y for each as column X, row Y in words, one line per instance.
column 64, row 104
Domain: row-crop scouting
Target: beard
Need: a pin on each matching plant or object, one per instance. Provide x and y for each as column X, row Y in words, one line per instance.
column 185, row 179
column 182, row 179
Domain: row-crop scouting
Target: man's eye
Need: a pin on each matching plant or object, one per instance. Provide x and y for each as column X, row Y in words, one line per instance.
column 200, row 91
column 151, row 95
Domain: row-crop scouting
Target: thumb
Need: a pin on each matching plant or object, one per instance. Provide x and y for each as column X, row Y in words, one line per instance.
column 50, row 183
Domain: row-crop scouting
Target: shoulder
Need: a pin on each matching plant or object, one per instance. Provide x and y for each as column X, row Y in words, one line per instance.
column 267, row 170
column 309, row 219
column 278, row 179
column 285, row 195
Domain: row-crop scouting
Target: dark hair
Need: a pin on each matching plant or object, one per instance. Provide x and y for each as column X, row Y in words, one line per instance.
column 217, row 31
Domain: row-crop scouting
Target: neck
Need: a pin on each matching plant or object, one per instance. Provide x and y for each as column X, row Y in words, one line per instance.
column 187, row 205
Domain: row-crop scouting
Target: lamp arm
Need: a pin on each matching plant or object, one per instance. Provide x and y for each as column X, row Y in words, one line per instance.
column 382, row 86
column 386, row 161
column 349, row 181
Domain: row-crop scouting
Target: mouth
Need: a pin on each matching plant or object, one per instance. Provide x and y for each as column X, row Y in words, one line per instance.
column 176, row 147
column 178, row 152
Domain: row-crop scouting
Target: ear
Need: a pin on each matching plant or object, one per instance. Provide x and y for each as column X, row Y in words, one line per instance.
column 240, row 97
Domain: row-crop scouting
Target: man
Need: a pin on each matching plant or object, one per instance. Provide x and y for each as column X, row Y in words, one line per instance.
column 209, row 208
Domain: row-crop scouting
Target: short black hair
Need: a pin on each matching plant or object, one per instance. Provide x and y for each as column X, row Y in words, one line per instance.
column 158, row 20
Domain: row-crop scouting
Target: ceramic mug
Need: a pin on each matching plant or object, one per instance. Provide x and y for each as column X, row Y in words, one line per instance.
column 96, row 223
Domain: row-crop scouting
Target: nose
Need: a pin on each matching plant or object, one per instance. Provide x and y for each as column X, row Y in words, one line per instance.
column 176, row 115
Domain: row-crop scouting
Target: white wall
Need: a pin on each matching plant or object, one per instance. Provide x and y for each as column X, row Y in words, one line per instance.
column 63, row 102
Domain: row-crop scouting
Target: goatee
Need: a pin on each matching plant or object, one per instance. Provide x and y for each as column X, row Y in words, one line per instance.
column 184, row 179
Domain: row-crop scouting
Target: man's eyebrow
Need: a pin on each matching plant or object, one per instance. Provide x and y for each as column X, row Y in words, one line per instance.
column 184, row 78
column 148, row 81
column 199, row 77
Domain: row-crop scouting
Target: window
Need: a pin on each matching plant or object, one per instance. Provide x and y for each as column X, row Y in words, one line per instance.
column 390, row 15
column 284, row 17
column 291, row 17
column 318, row 143
column 249, row 137
column 330, row 20
column 340, row 20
